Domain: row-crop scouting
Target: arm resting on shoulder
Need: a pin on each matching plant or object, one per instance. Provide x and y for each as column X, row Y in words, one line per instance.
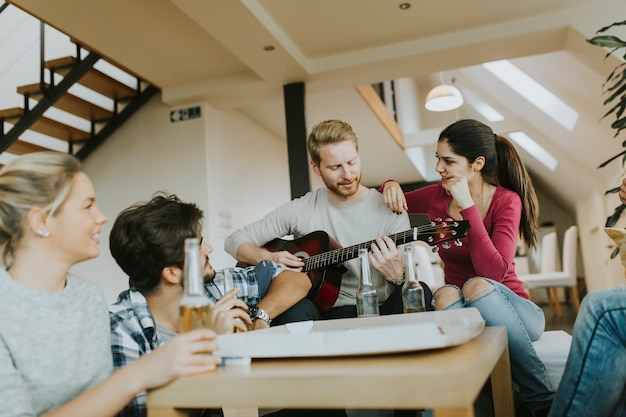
column 394, row 196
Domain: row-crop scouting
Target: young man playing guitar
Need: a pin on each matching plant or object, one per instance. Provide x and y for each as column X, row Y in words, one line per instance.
column 348, row 212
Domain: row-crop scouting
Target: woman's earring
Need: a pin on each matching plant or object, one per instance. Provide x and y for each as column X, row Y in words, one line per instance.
column 43, row 233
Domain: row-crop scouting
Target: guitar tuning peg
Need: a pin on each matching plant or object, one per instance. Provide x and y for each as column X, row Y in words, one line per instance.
column 457, row 242
column 435, row 249
column 446, row 245
column 438, row 219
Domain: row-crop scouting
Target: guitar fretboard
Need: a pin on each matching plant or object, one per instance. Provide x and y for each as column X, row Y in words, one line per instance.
column 337, row 256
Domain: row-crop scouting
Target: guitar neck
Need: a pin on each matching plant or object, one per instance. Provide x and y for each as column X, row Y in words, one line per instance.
column 336, row 256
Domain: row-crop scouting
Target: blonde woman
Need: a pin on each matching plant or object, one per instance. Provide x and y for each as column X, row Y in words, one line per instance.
column 55, row 357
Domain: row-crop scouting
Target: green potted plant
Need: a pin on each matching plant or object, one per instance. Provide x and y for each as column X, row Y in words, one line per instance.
column 614, row 88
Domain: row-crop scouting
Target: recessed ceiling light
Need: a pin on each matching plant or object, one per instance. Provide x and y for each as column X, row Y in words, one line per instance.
column 268, row 48
column 404, row 6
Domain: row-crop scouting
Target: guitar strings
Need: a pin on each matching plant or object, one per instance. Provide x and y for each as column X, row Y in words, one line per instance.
column 342, row 254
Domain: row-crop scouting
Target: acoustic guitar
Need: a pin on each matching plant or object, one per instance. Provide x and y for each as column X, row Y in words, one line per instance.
column 323, row 257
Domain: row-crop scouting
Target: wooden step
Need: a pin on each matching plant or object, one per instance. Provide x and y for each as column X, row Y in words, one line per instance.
column 20, row 148
column 10, row 115
column 93, row 79
column 70, row 103
column 46, row 126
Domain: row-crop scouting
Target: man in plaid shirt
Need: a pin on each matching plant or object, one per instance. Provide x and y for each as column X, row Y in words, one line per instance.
column 147, row 243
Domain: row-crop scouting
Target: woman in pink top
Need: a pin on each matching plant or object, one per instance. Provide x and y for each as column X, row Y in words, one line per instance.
column 484, row 180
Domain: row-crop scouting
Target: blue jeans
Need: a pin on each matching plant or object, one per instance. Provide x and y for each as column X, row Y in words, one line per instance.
column 525, row 323
column 595, row 372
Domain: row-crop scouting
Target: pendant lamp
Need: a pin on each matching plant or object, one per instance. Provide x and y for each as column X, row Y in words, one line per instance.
column 443, row 97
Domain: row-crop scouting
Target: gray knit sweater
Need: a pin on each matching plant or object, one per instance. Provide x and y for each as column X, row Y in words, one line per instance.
column 349, row 225
column 52, row 346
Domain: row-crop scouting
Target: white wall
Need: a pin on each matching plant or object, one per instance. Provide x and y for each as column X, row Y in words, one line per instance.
column 248, row 175
column 233, row 169
column 600, row 270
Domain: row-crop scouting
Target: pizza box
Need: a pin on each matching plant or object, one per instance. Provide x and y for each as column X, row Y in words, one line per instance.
column 356, row 336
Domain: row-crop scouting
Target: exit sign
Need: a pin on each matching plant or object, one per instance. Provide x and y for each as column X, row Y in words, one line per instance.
column 181, row 115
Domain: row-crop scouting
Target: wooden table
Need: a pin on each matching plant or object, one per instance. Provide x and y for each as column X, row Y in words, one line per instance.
column 446, row 380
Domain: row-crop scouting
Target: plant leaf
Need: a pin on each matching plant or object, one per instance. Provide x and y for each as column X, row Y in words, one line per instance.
column 604, row 29
column 617, row 93
column 619, row 124
column 614, row 74
column 605, row 163
column 607, row 41
column 611, row 110
column 622, row 106
column 615, row 252
column 619, row 80
column 613, row 218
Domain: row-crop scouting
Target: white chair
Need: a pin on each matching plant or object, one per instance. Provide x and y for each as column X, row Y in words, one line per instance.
column 549, row 250
column 552, row 279
column 546, row 253
column 547, row 263
column 425, row 271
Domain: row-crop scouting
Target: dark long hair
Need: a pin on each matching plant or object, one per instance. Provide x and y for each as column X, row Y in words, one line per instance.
column 503, row 166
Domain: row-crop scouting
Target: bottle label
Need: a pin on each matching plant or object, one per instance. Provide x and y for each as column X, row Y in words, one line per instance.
column 367, row 304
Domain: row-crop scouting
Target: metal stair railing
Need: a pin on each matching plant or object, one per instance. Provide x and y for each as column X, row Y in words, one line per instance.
column 51, row 95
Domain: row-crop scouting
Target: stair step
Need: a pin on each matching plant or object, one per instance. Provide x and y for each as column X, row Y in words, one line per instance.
column 70, row 103
column 20, row 148
column 47, row 126
column 93, row 79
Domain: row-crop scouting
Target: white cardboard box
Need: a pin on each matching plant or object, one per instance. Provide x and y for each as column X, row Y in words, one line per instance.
column 356, row 336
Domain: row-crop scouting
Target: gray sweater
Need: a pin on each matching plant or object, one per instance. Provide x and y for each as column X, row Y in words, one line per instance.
column 348, row 225
column 52, row 346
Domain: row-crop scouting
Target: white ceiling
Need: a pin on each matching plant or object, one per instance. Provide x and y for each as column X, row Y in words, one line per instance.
column 213, row 50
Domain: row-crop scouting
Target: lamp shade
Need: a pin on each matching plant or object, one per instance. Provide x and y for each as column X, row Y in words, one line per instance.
column 444, row 97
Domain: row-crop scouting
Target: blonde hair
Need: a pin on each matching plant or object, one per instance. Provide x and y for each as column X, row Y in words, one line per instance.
column 37, row 180
column 329, row 131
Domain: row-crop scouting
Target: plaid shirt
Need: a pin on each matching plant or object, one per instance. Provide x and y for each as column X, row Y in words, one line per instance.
column 133, row 329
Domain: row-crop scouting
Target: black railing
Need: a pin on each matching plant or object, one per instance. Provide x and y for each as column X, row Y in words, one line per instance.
column 125, row 101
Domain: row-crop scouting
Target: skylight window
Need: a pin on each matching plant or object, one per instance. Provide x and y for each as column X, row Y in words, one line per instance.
column 489, row 113
column 534, row 92
column 533, row 148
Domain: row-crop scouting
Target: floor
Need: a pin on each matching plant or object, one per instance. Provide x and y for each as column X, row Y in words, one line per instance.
column 564, row 322
column 555, row 322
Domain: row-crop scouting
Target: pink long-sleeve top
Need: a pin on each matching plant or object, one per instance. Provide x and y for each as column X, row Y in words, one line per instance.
column 489, row 248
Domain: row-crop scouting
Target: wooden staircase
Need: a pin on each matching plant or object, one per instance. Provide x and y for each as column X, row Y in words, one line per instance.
column 63, row 73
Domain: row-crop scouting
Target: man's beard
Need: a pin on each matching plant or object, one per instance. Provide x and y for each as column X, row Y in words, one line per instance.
column 337, row 189
column 209, row 276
